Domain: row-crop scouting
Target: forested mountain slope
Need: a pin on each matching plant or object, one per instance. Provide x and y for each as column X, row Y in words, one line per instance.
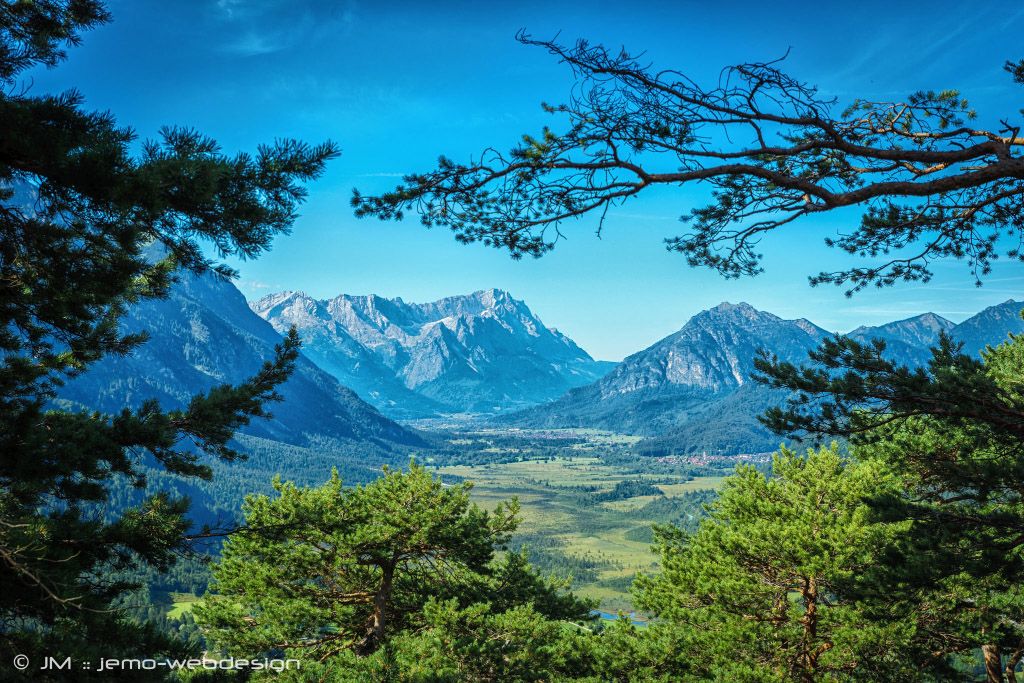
column 691, row 392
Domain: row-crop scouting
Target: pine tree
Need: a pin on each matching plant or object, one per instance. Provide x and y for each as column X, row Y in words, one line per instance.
column 763, row 590
column 79, row 215
column 352, row 577
column 952, row 432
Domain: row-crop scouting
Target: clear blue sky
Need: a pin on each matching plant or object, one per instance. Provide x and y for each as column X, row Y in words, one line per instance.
column 398, row 83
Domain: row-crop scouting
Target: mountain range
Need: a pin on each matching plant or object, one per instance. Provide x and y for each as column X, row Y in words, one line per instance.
column 692, row 389
column 203, row 335
column 368, row 361
column 484, row 352
column 692, row 392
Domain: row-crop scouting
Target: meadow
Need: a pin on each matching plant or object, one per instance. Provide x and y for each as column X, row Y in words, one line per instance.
column 180, row 604
column 562, row 479
column 565, row 529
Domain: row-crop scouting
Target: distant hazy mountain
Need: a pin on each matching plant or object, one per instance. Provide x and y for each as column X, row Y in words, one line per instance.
column 329, row 344
column 908, row 341
column 991, row 326
column 482, row 352
column 203, row 335
column 691, row 391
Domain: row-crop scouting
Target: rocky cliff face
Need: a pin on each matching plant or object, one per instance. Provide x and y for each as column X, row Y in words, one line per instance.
column 713, row 352
column 482, row 352
column 203, row 335
column 674, row 380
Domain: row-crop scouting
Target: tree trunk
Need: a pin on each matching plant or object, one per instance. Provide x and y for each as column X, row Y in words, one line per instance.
column 810, row 623
column 377, row 623
column 380, row 603
column 1011, row 664
column 993, row 663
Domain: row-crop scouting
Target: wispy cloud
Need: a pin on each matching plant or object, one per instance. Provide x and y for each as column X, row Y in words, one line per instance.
column 228, row 7
column 252, row 44
column 254, row 286
column 1014, row 18
column 932, row 53
column 263, row 27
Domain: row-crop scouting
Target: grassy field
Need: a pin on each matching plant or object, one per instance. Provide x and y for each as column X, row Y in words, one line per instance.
column 563, row 519
column 554, row 508
column 694, row 485
column 182, row 603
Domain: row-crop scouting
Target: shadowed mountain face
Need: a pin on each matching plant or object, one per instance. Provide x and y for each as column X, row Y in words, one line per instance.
column 692, row 392
column 907, row 341
column 204, row 335
column 482, row 352
column 921, row 330
column 989, row 327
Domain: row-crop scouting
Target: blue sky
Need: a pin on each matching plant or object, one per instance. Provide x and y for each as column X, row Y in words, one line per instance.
column 396, row 84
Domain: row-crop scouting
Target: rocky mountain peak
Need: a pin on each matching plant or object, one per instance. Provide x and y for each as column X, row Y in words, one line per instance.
column 482, row 351
column 935, row 321
column 691, row 391
column 726, row 312
column 976, row 332
column 908, row 340
column 295, row 305
column 493, row 297
column 727, row 306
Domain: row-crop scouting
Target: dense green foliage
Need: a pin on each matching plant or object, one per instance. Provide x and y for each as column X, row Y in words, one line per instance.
column 763, row 590
column 79, row 215
column 953, row 434
column 348, row 577
column 216, row 502
column 629, row 488
column 796, row 575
